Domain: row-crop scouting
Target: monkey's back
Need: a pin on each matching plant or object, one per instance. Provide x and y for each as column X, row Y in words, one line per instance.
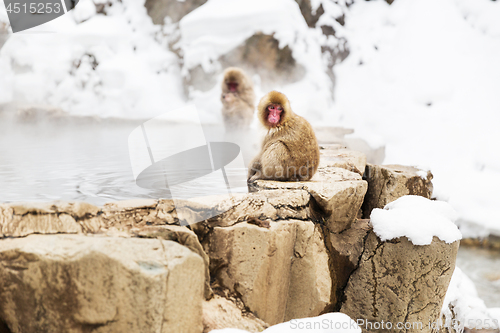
column 295, row 145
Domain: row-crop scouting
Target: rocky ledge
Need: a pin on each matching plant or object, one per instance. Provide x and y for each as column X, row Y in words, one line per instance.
column 286, row 250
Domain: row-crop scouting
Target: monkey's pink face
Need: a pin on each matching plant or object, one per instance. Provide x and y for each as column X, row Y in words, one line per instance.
column 232, row 86
column 274, row 114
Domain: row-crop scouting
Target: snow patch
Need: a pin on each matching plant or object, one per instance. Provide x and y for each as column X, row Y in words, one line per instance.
column 463, row 307
column 417, row 218
column 328, row 323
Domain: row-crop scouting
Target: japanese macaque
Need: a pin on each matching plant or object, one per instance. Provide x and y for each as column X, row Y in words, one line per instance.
column 238, row 99
column 290, row 150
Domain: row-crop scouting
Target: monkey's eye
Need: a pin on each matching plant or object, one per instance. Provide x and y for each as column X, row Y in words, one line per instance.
column 279, row 108
column 271, row 107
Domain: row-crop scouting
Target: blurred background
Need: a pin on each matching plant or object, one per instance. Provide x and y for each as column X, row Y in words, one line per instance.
column 409, row 82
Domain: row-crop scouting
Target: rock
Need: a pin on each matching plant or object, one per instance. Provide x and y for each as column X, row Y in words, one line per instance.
column 142, row 218
column 261, row 54
column 335, row 155
column 397, row 281
column 279, row 273
column 387, row 183
column 337, row 193
column 489, row 242
column 310, row 16
column 129, row 213
column 175, row 9
column 75, row 283
column 220, row 313
column 310, row 288
column 345, row 250
column 273, row 205
column 183, row 236
column 19, row 220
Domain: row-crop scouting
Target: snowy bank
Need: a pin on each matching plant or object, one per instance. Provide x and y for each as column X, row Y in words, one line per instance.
column 463, row 308
column 426, row 83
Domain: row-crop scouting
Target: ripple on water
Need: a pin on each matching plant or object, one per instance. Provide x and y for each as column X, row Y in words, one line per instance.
column 74, row 160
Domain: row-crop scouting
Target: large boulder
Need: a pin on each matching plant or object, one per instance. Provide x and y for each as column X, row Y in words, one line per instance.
column 336, row 192
column 158, row 10
column 387, row 183
column 129, row 218
column 75, row 283
column 345, row 250
column 223, row 312
column 280, row 272
column 399, row 282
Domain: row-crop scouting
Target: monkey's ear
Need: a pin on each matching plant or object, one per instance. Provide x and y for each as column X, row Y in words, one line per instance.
column 274, row 97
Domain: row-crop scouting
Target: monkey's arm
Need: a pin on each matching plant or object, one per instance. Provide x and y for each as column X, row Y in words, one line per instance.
column 254, row 170
column 272, row 162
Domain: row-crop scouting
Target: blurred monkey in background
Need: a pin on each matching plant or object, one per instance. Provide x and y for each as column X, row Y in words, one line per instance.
column 238, row 99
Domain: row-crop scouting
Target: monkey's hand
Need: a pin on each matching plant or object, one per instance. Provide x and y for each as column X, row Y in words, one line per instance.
column 254, row 172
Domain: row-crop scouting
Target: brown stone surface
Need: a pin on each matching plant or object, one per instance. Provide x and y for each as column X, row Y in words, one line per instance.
column 262, row 54
column 175, row 9
column 19, row 220
column 337, row 193
column 280, row 272
column 220, row 313
column 310, row 288
column 336, row 155
column 76, row 283
column 273, row 205
column 140, row 218
column 345, row 250
column 397, row 281
column 309, row 15
column 183, row 236
column 387, row 183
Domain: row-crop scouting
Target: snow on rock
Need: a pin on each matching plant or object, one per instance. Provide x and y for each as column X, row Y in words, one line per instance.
column 328, row 323
column 113, row 65
column 219, row 26
column 426, row 82
column 462, row 306
column 417, row 218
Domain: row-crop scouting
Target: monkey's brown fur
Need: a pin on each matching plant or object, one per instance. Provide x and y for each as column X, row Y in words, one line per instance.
column 237, row 106
column 290, row 150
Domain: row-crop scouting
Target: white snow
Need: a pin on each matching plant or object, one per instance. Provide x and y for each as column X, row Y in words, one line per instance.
column 463, row 308
column 417, row 218
column 219, row 26
column 328, row 323
column 426, row 82
column 110, row 66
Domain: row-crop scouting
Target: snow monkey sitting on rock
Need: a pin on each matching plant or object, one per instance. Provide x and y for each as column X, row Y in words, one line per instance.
column 290, row 150
column 238, row 99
